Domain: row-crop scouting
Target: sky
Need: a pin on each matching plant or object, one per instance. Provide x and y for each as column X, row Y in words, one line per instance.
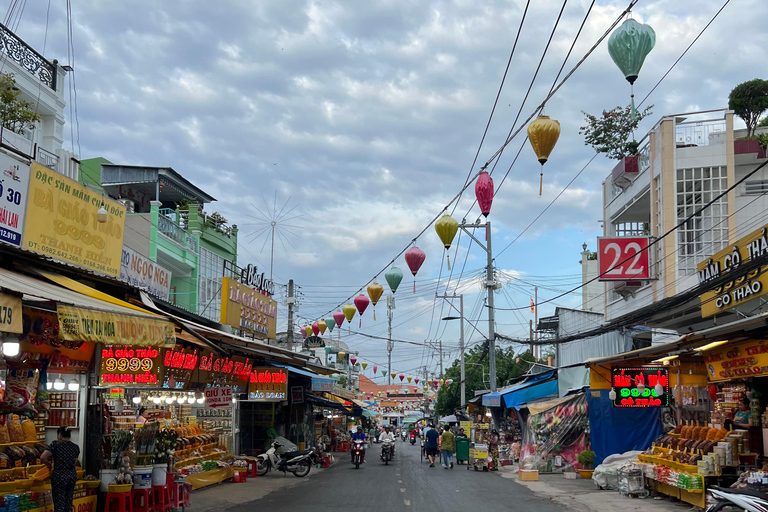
column 363, row 120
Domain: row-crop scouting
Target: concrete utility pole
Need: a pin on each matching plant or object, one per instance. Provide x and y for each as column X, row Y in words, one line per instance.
column 390, row 307
column 536, row 319
column 291, row 302
column 461, row 342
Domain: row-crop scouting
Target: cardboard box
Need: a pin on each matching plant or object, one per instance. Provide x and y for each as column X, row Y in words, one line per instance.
column 528, row 475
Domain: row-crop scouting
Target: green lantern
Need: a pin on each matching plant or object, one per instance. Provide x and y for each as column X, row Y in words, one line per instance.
column 330, row 323
column 327, row 350
column 393, row 277
column 628, row 46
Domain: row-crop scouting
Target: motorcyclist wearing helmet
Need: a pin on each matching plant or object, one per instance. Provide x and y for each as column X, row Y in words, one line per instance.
column 359, row 435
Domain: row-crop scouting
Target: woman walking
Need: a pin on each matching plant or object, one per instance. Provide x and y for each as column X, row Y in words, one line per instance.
column 63, row 453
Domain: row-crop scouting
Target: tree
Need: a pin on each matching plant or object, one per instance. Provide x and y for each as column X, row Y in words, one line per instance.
column 16, row 115
column 610, row 132
column 749, row 100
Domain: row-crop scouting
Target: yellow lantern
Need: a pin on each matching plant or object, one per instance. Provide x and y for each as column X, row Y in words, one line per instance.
column 409, row 379
column 446, row 228
column 543, row 133
column 375, row 290
column 392, row 374
column 322, row 326
column 442, row 382
column 364, row 365
column 341, row 355
column 349, row 313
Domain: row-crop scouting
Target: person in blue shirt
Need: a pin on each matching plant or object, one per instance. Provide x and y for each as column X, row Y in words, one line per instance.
column 361, row 436
column 431, row 445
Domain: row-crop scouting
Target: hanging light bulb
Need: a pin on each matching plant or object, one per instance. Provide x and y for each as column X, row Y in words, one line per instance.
column 73, row 385
column 612, row 394
column 182, row 399
column 169, row 400
column 156, row 400
column 101, row 214
column 11, row 346
column 201, row 400
column 49, row 385
column 137, row 399
column 59, row 384
column 640, row 387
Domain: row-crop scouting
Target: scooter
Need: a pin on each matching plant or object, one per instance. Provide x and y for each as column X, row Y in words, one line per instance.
column 357, row 453
column 403, row 434
column 299, row 463
column 413, row 439
column 387, row 451
column 741, row 499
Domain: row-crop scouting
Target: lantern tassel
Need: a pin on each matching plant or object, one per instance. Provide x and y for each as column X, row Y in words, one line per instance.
column 633, row 111
column 361, row 323
column 448, row 257
column 541, row 179
column 374, row 313
column 414, row 284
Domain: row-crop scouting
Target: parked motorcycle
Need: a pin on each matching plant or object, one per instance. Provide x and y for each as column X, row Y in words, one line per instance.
column 299, row 462
column 740, row 499
column 387, row 451
column 413, row 439
column 358, row 447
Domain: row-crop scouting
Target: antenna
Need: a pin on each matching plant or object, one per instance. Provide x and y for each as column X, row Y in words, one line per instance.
column 271, row 221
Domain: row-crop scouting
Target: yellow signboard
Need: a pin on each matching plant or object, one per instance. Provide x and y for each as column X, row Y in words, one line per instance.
column 737, row 360
column 467, row 426
column 77, row 324
column 246, row 309
column 10, row 314
column 61, row 223
column 741, row 289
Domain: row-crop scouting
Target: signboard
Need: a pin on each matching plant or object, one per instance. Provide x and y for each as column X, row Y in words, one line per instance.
column 268, row 385
column 10, row 314
column 467, row 426
column 14, row 190
column 491, row 400
column 145, row 274
column 320, row 384
column 623, row 258
column 343, row 393
column 77, row 324
column 41, row 341
column 250, row 277
column 744, row 286
column 216, row 398
column 178, row 366
column 635, row 387
column 61, row 223
column 131, row 366
column 314, row 342
column 297, row 394
column 246, row 309
column 735, row 360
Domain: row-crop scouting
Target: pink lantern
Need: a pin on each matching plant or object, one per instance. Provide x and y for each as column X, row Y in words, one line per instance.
column 315, row 328
column 448, row 382
column 414, row 257
column 339, row 317
column 437, row 383
column 484, row 192
column 416, row 380
column 353, row 360
column 402, row 377
column 361, row 302
column 415, row 390
column 375, row 369
column 303, row 333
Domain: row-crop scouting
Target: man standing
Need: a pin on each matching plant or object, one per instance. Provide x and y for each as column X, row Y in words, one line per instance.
column 431, row 445
column 447, row 446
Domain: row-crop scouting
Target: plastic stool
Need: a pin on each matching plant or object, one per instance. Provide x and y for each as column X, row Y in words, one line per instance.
column 161, row 498
column 119, row 502
column 179, row 493
column 143, row 500
column 252, row 468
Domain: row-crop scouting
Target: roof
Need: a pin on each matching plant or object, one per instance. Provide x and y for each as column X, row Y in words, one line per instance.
column 176, row 187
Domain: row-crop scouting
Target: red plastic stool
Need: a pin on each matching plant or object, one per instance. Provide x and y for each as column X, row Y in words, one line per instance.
column 179, row 495
column 253, row 466
column 161, row 498
column 143, row 500
column 119, row 502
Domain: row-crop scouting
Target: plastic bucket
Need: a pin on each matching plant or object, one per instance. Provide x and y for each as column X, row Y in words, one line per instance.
column 159, row 474
column 142, row 477
column 107, row 476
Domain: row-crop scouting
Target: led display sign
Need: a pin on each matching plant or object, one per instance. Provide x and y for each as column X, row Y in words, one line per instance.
column 636, row 387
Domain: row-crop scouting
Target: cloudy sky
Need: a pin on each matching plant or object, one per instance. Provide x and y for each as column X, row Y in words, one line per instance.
column 366, row 117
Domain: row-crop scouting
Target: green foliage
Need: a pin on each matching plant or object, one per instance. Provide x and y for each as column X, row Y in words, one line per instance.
column 763, row 122
column 762, row 139
column 749, row 100
column 16, row 115
column 610, row 132
column 342, row 381
column 586, row 458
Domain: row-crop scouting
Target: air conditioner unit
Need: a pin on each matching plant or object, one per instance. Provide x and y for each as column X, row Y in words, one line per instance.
column 627, row 289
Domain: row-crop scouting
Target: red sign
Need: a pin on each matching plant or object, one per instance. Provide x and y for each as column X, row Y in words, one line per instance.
column 268, row 385
column 623, row 258
column 130, row 366
column 218, row 397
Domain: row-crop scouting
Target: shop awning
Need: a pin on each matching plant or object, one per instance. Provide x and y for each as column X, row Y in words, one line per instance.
column 297, row 371
column 535, row 388
column 328, row 404
column 369, row 414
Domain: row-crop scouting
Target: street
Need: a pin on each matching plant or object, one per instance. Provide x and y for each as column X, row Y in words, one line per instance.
column 405, row 483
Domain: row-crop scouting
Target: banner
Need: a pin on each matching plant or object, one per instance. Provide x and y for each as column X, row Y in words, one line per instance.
column 14, row 190
column 144, row 274
column 297, row 394
column 216, row 398
column 246, row 309
column 737, row 360
column 77, row 324
column 320, row 384
column 61, row 223
column 131, row 366
column 268, row 385
column 41, row 341
column 10, row 314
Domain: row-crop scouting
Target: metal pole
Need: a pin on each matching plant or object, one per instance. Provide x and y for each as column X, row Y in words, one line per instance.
column 491, row 312
column 536, row 320
column 440, row 348
column 389, row 339
column 461, row 350
column 530, row 334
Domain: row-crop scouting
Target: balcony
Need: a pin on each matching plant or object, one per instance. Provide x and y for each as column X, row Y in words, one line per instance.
column 46, row 158
column 168, row 225
column 18, row 143
column 27, row 58
column 710, row 132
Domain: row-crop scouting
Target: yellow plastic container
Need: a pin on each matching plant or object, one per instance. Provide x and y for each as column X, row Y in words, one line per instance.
column 120, row 487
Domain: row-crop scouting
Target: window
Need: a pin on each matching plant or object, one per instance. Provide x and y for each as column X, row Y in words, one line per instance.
column 632, row 229
column 212, row 270
column 755, row 187
column 707, row 232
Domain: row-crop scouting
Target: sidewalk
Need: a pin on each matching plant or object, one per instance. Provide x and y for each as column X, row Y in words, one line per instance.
column 582, row 496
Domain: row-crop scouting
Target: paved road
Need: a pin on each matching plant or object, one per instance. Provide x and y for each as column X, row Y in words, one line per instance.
column 406, row 484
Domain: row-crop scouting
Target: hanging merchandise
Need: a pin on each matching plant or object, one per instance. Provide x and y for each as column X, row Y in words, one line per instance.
column 446, row 228
column 393, row 277
column 375, row 290
column 322, row 326
column 543, row 133
column 628, row 46
column 349, row 313
column 414, row 257
column 361, row 303
column 338, row 316
column 330, row 323
column 315, row 329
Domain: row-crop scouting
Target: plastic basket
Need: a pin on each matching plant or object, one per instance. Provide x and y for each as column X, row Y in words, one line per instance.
column 90, row 484
column 7, row 486
column 24, row 484
column 120, row 487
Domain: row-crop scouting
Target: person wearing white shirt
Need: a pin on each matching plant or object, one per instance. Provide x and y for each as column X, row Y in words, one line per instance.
column 387, row 435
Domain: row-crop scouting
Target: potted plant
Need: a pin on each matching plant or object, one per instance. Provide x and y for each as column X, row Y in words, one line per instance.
column 587, row 460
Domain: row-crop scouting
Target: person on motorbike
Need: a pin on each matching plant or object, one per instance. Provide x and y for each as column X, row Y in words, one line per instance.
column 414, row 434
column 359, row 435
column 388, row 435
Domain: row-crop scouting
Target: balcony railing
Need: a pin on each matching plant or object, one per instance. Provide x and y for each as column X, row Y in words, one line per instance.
column 167, row 225
column 46, row 158
column 17, row 142
column 26, row 57
column 710, row 132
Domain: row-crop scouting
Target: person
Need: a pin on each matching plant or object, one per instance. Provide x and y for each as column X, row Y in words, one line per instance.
column 432, row 437
column 447, row 446
column 63, row 454
column 359, row 435
column 743, row 417
column 388, row 435
column 371, row 435
column 414, row 432
column 461, row 433
column 140, row 418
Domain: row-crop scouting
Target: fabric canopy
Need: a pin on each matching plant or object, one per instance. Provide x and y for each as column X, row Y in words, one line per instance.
column 535, row 388
column 328, row 404
column 369, row 414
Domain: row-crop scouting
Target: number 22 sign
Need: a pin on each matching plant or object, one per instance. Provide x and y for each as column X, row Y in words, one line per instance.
column 623, row 258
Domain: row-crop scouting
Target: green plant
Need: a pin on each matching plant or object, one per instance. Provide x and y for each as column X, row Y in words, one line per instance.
column 749, row 100
column 183, row 205
column 216, row 221
column 610, row 132
column 586, row 459
column 763, row 122
column 762, row 139
column 16, row 115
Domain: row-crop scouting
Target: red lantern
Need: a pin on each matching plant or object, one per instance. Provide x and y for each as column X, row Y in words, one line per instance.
column 484, row 192
column 416, row 380
column 353, row 360
column 361, row 303
column 402, row 377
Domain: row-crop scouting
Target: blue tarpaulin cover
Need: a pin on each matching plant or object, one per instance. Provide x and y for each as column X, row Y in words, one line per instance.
column 620, row 429
column 535, row 388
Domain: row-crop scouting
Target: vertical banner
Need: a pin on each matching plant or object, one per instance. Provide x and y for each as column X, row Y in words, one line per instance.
column 14, row 189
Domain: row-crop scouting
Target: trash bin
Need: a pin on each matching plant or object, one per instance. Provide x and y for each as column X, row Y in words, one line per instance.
column 462, row 449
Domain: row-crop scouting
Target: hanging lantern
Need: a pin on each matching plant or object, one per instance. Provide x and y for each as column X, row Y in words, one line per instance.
column 402, row 377
column 322, row 326
column 315, row 329
column 414, row 257
column 436, row 383
column 349, row 313
column 330, row 323
column 393, row 276
column 379, row 394
column 308, row 330
column 375, row 369
column 448, row 382
column 353, row 360
column 392, row 374
column 446, row 229
column 429, row 382
column 361, row 303
column 415, row 390
column 425, row 388
column 416, row 380
column 303, row 332
column 375, row 290
column 628, row 46
column 338, row 317
column 327, row 350
column 409, row 379
column 543, row 133
column 364, row 365
column 484, row 192
column 442, row 382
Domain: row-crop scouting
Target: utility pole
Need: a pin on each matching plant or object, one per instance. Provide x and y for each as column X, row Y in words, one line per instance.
column 390, row 307
column 291, row 302
column 536, row 319
column 530, row 334
column 461, row 344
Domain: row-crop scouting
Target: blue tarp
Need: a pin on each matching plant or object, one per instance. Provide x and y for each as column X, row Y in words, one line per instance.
column 535, row 388
column 620, row 429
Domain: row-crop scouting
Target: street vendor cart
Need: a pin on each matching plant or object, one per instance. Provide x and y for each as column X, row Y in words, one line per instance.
column 478, row 453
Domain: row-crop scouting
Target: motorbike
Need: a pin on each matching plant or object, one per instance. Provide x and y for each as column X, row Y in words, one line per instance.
column 357, row 452
column 740, row 499
column 299, row 462
column 403, row 434
column 387, row 451
column 413, row 439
